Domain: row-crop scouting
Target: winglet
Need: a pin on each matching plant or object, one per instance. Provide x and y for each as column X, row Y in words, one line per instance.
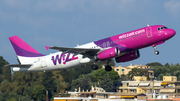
column 47, row 47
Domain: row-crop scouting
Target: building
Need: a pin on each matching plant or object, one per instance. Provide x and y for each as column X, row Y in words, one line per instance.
column 139, row 78
column 139, row 89
column 122, row 70
column 125, row 70
column 75, row 99
column 169, row 78
column 98, row 94
column 169, row 86
column 95, row 92
column 138, row 96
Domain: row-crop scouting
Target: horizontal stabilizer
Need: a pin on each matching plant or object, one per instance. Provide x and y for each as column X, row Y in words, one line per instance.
column 47, row 47
column 19, row 65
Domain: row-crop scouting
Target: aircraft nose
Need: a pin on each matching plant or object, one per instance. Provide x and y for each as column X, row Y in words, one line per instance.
column 172, row 32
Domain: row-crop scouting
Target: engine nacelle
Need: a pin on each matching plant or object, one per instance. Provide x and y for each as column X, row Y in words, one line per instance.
column 128, row 56
column 108, row 53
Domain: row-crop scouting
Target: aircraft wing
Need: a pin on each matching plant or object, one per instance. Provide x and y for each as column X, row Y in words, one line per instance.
column 19, row 65
column 84, row 51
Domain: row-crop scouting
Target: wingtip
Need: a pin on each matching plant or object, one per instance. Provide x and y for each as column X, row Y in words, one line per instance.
column 7, row 66
column 47, row 47
column 13, row 37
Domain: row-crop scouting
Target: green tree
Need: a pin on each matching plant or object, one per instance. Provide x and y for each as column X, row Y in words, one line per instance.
column 1, row 78
column 82, row 81
column 160, row 76
column 6, row 71
column 154, row 64
column 49, row 83
column 21, row 80
column 167, row 65
column 73, row 73
column 39, row 93
column 2, row 98
column 177, row 73
column 166, row 70
column 12, row 96
column 12, row 99
column 59, row 81
column 5, row 86
column 92, row 77
column 28, row 91
column 124, row 78
column 107, row 83
column 137, row 72
column 100, row 73
column 106, row 78
column 167, row 74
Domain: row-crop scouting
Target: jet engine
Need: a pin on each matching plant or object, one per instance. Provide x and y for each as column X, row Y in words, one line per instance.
column 108, row 53
column 131, row 55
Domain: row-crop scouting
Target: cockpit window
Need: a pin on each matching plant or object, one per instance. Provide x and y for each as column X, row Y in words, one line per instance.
column 161, row 28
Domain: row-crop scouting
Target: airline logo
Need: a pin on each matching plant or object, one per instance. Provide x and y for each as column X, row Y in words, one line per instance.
column 132, row 33
column 63, row 58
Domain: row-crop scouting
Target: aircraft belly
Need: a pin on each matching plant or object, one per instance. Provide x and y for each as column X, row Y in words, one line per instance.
column 68, row 65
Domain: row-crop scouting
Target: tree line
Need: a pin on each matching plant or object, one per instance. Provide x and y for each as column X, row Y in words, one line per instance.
column 159, row 71
column 165, row 70
column 34, row 86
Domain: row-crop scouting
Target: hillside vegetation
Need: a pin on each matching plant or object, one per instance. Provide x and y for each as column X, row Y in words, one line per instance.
column 32, row 86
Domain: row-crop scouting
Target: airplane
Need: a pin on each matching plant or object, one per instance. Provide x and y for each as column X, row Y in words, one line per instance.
column 123, row 47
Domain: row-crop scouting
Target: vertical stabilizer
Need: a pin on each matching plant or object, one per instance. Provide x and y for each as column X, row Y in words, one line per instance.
column 24, row 51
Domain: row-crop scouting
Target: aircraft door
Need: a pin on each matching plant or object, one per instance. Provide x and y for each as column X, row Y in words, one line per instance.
column 149, row 32
column 104, row 45
column 108, row 44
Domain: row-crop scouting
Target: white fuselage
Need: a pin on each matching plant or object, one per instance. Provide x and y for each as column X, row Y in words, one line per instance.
column 58, row 60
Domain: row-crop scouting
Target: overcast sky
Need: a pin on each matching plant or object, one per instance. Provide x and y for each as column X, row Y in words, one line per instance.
column 69, row 22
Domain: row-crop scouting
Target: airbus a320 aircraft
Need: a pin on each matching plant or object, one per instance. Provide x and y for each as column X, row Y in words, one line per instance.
column 123, row 47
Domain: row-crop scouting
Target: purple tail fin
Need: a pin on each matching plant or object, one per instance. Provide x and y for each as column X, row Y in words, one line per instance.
column 22, row 48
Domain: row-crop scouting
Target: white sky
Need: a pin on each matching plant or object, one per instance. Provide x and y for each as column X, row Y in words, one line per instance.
column 69, row 22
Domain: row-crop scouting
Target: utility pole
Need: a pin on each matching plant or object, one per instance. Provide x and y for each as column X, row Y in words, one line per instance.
column 47, row 95
column 153, row 86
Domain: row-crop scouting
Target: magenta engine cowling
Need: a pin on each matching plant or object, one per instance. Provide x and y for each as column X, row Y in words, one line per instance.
column 128, row 56
column 108, row 53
